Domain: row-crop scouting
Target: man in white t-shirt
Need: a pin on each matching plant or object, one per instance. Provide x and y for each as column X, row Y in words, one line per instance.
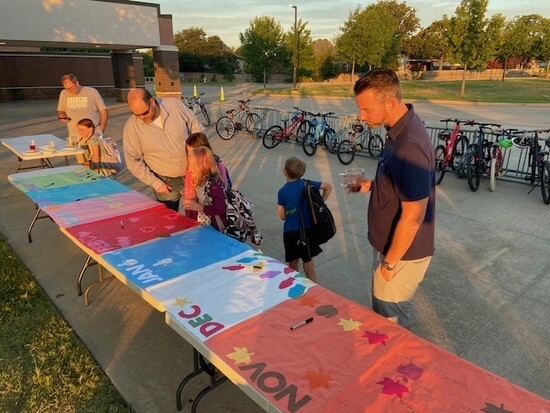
column 78, row 102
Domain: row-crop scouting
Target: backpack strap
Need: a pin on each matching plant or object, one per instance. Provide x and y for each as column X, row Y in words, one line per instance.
column 302, row 226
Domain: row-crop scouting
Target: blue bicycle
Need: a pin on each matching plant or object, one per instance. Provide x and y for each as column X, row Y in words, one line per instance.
column 322, row 133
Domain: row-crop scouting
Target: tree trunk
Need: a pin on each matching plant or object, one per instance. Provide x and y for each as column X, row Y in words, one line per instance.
column 547, row 67
column 352, row 74
column 265, row 77
column 504, row 70
column 463, row 87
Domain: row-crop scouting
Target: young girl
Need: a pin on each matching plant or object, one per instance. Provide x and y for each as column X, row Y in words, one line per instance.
column 207, row 203
column 88, row 141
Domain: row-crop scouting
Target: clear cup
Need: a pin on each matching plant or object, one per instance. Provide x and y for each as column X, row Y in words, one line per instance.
column 69, row 142
column 32, row 146
column 351, row 179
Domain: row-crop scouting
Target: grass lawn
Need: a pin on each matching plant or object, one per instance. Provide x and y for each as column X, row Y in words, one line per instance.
column 510, row 91
column 44, row 367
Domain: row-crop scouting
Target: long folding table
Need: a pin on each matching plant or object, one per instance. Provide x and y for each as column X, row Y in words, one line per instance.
column 289, row 344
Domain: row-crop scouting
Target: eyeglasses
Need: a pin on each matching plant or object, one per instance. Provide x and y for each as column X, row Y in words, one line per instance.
column 146, row 112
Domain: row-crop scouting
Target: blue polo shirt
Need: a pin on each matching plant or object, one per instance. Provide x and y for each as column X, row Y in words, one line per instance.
column 405, row 172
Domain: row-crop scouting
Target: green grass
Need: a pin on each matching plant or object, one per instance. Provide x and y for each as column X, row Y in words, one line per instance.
column 44, row 367
column 495, row 91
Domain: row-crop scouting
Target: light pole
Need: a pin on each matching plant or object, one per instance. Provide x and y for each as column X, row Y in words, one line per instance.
column 295, row 71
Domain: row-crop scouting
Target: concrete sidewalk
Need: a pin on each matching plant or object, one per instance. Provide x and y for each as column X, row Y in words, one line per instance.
column 486, row 296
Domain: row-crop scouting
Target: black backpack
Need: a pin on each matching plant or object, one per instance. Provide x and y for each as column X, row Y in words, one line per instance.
column 322, row 226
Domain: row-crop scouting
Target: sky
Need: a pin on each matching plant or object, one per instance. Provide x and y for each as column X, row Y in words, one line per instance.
column 228, row 18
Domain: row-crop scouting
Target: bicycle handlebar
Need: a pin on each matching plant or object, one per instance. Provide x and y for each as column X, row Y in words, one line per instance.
column 456, row 120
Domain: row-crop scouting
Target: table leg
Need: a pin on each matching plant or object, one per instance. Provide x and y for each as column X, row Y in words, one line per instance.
column 34, row 219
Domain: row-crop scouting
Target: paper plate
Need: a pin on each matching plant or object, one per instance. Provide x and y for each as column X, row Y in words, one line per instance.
column 68, row 149
column 37, row 152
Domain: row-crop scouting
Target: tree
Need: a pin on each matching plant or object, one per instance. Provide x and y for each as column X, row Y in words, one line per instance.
column 306, row 60
column 262, row 46
column 431, row 42
column 407, row 25
column 367, row 36
column 199, row 52
column 523, row 37
column 544, row 47
column 324, row 60
column 472, row 37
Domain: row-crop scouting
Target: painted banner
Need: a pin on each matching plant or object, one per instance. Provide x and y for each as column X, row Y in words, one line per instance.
column 130, row 229
column 349, row 359
column 95, row 209
column 76, row 192
column 162, row 259
column 53, row 177
column 222, row 294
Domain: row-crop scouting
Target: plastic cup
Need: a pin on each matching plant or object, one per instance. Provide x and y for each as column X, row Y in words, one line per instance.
column 352, row 178
column 32, row 146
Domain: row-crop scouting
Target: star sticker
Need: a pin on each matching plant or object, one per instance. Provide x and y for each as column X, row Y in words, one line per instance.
column 318, row 379
column 349, row 324
column 308, row 301
column 240, row 355
column 182, row 301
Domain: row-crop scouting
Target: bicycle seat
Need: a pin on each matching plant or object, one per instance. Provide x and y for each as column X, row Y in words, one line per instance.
column 444, row 135
column 230, row 111
column 358, row 128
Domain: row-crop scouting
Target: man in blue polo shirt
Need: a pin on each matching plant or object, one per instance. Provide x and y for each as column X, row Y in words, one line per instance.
column 401, row 210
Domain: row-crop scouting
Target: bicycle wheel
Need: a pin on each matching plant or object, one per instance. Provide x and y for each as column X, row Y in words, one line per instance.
column 253, row 123
column 345, row 152
column 225, row 128
column 375, row 145
column 273, row 136
column 309, row 144
column 440, row 167
column 205, row 115
column 473, row 170
column 493, row 175
column 496, row 167
column 460, row 148
column 545, row 182
column 328, row 139
column 303, row 129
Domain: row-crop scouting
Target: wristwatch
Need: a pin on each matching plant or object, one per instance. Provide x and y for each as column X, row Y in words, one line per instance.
column 387, row 266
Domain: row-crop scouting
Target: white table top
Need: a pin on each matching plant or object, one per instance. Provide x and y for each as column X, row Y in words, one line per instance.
column 20, row 146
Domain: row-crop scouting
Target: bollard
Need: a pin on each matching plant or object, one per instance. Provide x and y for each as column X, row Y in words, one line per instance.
column 222, row 96
column 195, row 91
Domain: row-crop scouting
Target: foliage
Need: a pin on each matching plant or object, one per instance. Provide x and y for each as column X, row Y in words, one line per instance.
column 306, row 63
column 522, row 38
column 367, row 36
column 263, row 48
column 43, row 365
column 325, row 65
column 148, row 64
column 431, row 42
column 201, row 53
column 407, row 25
column 473, row 39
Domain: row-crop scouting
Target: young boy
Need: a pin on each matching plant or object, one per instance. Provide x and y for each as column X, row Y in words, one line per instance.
column 289, row 203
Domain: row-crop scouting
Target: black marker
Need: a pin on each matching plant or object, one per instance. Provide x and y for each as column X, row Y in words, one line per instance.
column 301, row 323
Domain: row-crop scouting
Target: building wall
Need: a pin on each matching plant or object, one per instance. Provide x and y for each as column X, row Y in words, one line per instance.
column 37, row 75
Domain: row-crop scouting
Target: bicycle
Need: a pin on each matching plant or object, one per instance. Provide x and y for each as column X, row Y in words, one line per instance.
column 196, row 105
column 298, row 127
column 360, row 138
column 450, row 154
column 227, row 126
column 478, row 156
column 497, row 157
column 538, row 159
column 322, row 133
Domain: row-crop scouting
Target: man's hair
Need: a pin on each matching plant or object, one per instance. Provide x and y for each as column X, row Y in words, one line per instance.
column 384, row 82
column 70, row 77
column 295, row 168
